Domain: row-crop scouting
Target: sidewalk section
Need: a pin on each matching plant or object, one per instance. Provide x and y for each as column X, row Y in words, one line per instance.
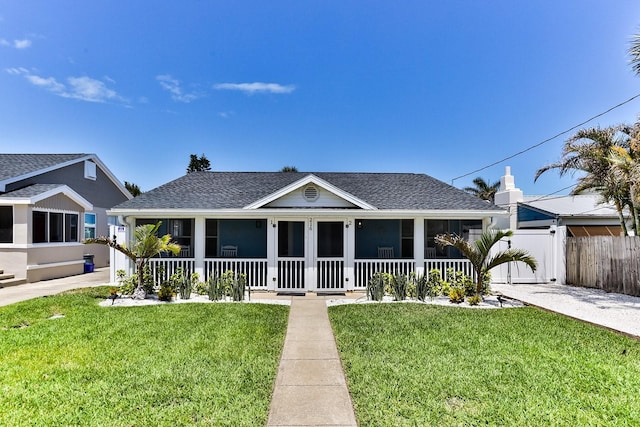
column 310, row 388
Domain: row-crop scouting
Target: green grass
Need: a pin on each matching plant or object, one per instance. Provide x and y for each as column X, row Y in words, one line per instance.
column 166, row 365
column 421, row 365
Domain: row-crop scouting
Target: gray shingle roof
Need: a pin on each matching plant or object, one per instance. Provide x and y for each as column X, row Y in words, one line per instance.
column 31, row 190
column 234, row 190
column 13, row 165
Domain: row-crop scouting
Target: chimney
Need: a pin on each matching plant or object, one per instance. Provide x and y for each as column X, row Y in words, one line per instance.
column 508, row 197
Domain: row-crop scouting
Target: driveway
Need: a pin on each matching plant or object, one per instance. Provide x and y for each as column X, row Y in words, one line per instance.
column 12, row 294
column 615, row 311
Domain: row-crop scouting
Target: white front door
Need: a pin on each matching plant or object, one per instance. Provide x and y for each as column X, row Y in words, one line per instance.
column 329, row 256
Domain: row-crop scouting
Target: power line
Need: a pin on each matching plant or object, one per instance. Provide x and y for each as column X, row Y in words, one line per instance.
column 548, row 139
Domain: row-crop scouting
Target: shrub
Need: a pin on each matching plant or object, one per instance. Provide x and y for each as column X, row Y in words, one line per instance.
column 456, row 294
column 215, row 289
column 421, row 285
column 474, row 300
column 445, row 288
column 399, row 287
column 375, row 287
column 166, row 291
column 412, row 286
column 182, row 283
column 435, row 284
column 198, row 286
column 129, row 284
column 148, row 282
column 238, row 287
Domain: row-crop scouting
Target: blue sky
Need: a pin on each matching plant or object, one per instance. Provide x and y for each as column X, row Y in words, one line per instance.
column 441, row 88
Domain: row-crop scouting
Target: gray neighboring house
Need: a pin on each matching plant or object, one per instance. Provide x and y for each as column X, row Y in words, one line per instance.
column 48, row 204
column 296, row 231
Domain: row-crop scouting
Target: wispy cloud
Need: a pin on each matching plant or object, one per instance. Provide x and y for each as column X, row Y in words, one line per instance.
column 81, row 88
column 17, row 44
column 256, row 87
column 173, row 86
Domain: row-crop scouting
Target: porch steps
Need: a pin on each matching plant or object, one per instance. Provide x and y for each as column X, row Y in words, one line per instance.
column 10, row 280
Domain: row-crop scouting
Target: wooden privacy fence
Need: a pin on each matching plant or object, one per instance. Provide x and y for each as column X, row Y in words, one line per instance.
column 611, row 263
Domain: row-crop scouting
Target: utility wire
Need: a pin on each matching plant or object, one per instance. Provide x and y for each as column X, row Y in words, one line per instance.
column 548, row 139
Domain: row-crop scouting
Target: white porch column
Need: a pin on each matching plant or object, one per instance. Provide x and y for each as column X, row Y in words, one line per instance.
column 199, row 236
column 272, row 254
column 350, row 254
column 418, row 245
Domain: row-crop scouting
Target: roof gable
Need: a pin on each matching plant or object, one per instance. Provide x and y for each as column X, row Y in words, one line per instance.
column 293, row 196
column 38, row 192
column 18, row 167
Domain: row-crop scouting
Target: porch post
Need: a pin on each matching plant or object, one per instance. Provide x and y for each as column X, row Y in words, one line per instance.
column 418, row 245
column 350, row 254
column 199, row 244
column 272, row 259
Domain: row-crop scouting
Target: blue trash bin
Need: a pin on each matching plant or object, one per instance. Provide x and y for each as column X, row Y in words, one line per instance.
column 88, row 263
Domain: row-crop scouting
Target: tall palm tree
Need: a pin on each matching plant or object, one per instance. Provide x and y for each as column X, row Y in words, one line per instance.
column 146, row 244
column 588, row 151
column 634, row 52
column 479, row 253
column 483, row 189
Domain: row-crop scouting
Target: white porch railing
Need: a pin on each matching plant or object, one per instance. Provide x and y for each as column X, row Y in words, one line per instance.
column 364, row 269
column 443, row 265
column 163, row 268
column 330, row 274
column 254, row 269
column 291, row 272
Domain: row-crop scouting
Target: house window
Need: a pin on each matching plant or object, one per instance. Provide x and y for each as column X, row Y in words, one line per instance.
column 6, row 224
column 40, row 227
column 54, row 227
column 90, row 170
column 89, row 225
column 71, row 228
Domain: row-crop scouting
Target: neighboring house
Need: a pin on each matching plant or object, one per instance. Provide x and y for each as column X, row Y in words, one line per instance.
column 583, row 215
column 48, row 204
column 293, row 231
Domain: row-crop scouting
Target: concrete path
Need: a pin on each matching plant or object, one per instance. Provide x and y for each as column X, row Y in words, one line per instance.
column 18, row 293
column 615, row 311
column 310, row 388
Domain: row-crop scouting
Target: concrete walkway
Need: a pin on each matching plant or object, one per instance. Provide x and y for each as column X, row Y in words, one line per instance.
column 614, row 311
column 310, row 388
column 18, row 293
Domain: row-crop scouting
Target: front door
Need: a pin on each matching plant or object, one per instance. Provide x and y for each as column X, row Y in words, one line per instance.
column 291, row 263
column 330, row 255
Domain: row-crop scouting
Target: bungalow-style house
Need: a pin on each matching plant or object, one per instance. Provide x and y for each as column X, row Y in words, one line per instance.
column 297, row 232
column 48, row 204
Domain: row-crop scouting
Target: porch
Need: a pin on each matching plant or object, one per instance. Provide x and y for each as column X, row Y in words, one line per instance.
column 307, row 255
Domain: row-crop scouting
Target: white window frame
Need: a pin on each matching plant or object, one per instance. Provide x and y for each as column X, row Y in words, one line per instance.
column 90, row 226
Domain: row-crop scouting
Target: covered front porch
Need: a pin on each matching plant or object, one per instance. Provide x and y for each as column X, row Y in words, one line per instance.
column 315, row 253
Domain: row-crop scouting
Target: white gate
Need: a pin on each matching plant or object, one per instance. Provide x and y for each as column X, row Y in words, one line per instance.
column 546, row 246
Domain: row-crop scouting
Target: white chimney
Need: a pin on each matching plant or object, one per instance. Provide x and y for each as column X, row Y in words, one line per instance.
column 508, row 197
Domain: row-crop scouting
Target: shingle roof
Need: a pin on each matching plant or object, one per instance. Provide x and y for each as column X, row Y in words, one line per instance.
column 31, row 190
column 13, row 165
column 234, row 190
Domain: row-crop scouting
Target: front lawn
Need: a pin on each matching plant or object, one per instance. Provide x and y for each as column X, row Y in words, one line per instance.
column 414, row 364
column 187, row 364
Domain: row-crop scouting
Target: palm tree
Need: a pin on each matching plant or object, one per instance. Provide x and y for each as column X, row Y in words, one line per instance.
column 146, row 244
column 588, row 151
column 483, row 189
column 634, row 52
column 479, row 253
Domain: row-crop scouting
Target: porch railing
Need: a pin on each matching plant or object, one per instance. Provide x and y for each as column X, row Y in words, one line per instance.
column 364, row 269
column 443, row 265
column 291, row 273
column 330, row 274
column 163, row 268
column 254, row 269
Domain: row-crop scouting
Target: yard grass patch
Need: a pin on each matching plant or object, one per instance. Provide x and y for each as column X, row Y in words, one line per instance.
column 414, row 364
column 187, row 364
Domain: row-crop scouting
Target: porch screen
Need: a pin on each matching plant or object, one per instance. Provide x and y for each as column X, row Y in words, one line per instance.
column 330, row 239
column 291, row 239
column 6, row 224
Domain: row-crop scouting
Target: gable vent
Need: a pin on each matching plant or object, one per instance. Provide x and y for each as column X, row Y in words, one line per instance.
column 311, row 193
